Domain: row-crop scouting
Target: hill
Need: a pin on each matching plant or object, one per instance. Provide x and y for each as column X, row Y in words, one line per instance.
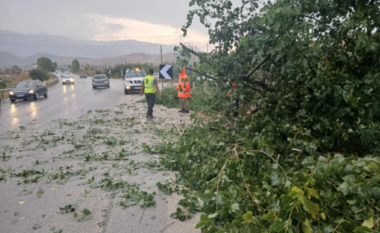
column 24, row 46
column 7, row 60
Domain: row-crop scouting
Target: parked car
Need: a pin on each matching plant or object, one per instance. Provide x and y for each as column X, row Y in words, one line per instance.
column 28, row 89
column 133, row 79
column 83, row 75
column 68, row 79
column 100, row 80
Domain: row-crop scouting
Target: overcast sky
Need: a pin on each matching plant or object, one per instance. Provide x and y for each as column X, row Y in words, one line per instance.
column 143, row 20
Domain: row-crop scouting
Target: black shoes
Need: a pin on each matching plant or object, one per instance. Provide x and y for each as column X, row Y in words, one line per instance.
column 184, row 111
column 149, row 117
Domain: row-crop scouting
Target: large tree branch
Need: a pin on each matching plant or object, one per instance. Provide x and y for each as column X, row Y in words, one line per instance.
column 193, row 52
column 246, row 78
column 207, row 76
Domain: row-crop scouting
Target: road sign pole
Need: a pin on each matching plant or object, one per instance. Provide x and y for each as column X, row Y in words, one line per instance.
column 162, row 81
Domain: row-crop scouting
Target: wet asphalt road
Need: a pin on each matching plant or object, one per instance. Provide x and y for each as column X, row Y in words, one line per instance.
column 19, row 212
column 64, row 101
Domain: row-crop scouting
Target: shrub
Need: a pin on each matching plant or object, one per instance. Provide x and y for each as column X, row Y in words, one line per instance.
column 38, row 74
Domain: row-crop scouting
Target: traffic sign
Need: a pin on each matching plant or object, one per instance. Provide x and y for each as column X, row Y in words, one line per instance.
column 166, row 72
column 110, row 72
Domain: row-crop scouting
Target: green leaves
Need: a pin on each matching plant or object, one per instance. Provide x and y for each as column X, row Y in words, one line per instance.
column 83, row 216
column 68, row 208
column 306, row 226
column 248, row 217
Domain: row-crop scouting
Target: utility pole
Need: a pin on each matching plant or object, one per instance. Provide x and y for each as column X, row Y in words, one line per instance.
column 162, row 86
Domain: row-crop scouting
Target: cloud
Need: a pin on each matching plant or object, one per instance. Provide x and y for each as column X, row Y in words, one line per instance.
column 114, row 26
column 132, row 29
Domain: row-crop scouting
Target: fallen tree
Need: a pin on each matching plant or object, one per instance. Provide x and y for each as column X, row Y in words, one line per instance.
column 306, row 157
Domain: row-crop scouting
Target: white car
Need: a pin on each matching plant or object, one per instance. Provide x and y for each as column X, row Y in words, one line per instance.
column 133, row 80
column 68, row 79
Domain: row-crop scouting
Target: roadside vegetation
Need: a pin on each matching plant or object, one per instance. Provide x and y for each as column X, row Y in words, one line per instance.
column 14, row 79
column 303, row 153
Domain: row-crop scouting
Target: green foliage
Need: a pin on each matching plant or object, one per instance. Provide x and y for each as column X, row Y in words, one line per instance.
column 320, row 66
column 87, row 66
column 135, row 196
column 307, row 159
column 16, row 67
column 205, row 98
column 3, row 85
column 245, row 185
column 169, row 97
column 38, row 74
column 55, row 65
column 75, row 65
column 44, row 64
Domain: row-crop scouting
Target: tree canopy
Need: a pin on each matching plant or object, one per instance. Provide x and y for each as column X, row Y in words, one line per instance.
column 16, row 67
column 38, row 74
column 55, row 65
column 302, row 155
column 75, row 65
column 44, row 64
column 312, row 64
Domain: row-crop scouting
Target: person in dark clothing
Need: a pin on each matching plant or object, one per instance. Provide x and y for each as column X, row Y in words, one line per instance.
column 149, row 86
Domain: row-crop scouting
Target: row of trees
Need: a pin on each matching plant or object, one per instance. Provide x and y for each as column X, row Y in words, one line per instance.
column 46, row 64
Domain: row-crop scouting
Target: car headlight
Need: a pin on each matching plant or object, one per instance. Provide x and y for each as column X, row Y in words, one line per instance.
column 72, row 80
column 11, row 93
column 127, row 87
column 31, row 92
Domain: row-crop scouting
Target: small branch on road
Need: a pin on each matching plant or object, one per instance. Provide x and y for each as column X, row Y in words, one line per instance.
column 142, row 215
column 196, row 71
column 167, row 227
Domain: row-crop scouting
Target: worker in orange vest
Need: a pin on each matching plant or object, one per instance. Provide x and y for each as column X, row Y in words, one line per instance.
column 184, row 91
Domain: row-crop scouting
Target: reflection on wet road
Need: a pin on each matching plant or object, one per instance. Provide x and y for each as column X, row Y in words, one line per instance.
column 64, row 101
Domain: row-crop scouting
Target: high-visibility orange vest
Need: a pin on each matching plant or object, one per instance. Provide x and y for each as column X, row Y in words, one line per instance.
column 183, row 86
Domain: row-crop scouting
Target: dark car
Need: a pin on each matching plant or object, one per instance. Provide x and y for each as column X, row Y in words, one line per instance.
column 83, row 76
column 28, row 89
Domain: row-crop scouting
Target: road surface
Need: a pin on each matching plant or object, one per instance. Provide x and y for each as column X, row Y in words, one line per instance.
column 74, row 163
column 65, row 101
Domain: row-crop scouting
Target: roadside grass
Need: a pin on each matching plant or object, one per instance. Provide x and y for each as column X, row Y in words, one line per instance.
column 15, row 79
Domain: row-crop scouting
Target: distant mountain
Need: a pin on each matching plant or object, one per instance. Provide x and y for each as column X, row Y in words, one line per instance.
column 23, row 46
column 134, row 58
column 7, row 60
